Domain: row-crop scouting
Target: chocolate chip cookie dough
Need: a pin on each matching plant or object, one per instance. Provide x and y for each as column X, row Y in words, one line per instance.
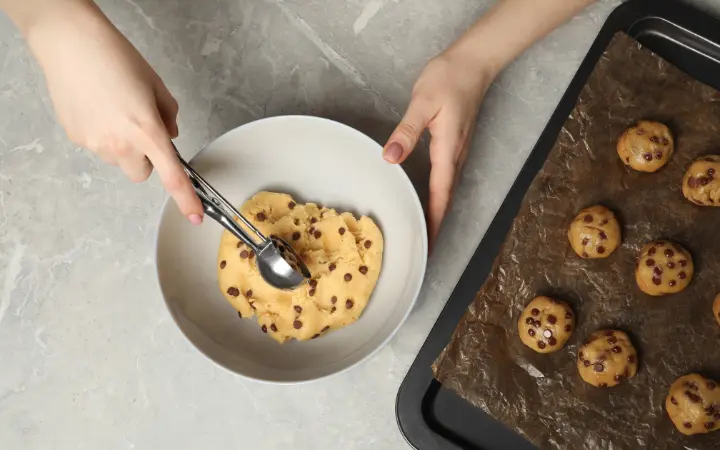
column 663, row 268
column 546, row 324
column 700, row 184
column 344, row 255
column 607, row 358
column 646, row 146
column 595, row 232
column 716, row 308
column 693, row 404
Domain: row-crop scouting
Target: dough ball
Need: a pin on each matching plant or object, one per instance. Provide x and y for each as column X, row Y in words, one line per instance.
column 546, row 324
column 663, row 268
column 693, row 404
column 595, row 233
column 344, row 255
column 607, row 358
column 646, row 146
column 700, row 185
column 716, row 308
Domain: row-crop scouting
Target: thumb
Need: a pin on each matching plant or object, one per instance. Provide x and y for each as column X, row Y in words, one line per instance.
column 405, row 137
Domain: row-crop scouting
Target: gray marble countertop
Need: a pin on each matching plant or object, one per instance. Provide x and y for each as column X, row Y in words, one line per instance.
column 89, row 357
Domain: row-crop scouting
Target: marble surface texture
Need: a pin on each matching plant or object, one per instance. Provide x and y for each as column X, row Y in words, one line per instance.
column 89, row 357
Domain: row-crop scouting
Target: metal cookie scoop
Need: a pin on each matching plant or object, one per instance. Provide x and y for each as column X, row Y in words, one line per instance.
column 278, row 264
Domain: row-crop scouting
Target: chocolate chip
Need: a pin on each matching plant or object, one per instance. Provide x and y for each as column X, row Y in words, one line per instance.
column 368, row 244
column 711, row 172
column 687, row 425
column 531, row 332
column 580, row 354
column 244, row 254
column 341, row 230
column 640, row 131
column 598, row 367
column 585, row 241
column 631, row 359
column 617, row 349
column 618, row 378
column 239, row 314
column 296, row 236
column 693, row 397
column 682, row 275
column 654, row 139
column 651, row 251
column 669, row 253
column 312, row 283
column 693, row 182
column 273, row 327
column 584, row 254
column 333, row 300
column 711, row 385
column 311, row 230
column 647, row 156
column 298, row 309
column 541, row 345
column 348, row 277
column 222, row 264
column 568, row 328
column 261, row 217
column 233, row 291
column 296, row 222
column 252, row 305
column 603, row 236
column 239, row 244
column 600, row 250
column 552, row 341
column 291, row 205
column 704, row 181
column 682, row 263
column 552, row 319
column 317, row 234
column 251, row 255
column 604, row 222
column 612, row 340
column 650, row 262
column 363, row 270
column 672, row 283
column 538, row 323
column 586, row 363
column 602, row 385
column 658, row 270
column 588, row 218
column 333, row 310
column 665, row 141
column 609, row 332
column 325, row 329
column 568, row 314
column 264, row 328
column 311, row 292
column 657, row 281
column 671, row 265
column 627, row 159
column 315, row 336
column 249, row 293
column 709, row 425
column 658, row 154
column 535, row 311
column 349, row 304
column 297, row 324
column 692, row 386
column 673, row 401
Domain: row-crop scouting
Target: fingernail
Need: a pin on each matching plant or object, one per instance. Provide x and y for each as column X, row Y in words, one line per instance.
column 195, row 219
column 393, row 153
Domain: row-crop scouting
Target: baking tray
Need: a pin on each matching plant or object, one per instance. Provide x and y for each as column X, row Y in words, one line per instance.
column 432, row 417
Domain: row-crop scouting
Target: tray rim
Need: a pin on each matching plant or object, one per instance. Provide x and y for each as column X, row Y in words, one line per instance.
column 623, row 19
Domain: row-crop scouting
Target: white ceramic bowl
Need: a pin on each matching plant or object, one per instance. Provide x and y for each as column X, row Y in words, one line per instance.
column 315, row 160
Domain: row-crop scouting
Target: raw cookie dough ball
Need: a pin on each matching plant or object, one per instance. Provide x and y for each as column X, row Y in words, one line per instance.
column 700, row 185
column 693, row 404
column 594, row 233
column 344, row 255
column 646, row 146
column 546, row 324
column 607, row 358
column 663, row 268
column 716, row 308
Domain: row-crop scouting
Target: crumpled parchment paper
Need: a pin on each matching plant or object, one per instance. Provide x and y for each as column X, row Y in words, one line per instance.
column 542, row 396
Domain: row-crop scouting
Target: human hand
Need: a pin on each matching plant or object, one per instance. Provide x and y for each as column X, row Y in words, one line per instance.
column 109, row 100
column 445, row 101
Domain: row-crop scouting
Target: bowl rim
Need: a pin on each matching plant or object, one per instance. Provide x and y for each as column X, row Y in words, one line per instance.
column 403, row 175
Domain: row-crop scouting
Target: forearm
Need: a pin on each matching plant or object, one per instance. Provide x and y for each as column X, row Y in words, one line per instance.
column 28, row 15
column 510, row 27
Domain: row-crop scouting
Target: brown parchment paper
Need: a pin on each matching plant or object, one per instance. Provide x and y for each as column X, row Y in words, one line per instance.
column 542, row 396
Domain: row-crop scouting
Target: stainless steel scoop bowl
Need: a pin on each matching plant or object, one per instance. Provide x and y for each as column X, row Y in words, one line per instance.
column 278, row 263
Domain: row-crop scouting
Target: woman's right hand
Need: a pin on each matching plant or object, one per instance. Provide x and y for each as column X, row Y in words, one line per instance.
column 108, row 98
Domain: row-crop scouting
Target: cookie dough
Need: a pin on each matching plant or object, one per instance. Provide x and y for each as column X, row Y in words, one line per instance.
column 607, row 358
column 344, row 255
column 716, row 308
column 700, row 185
column 646, row 146
column 693, row 404
column 595, row 232
column 663, row 268
column 546, row 324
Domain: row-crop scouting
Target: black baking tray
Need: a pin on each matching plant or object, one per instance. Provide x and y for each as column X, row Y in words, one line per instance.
column 433, row 417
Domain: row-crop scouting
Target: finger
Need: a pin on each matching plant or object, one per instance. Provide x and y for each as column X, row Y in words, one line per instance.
column 445, row 155
column 136, row 167
column 162, row 156
column 405, row 137
column 168, row 108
